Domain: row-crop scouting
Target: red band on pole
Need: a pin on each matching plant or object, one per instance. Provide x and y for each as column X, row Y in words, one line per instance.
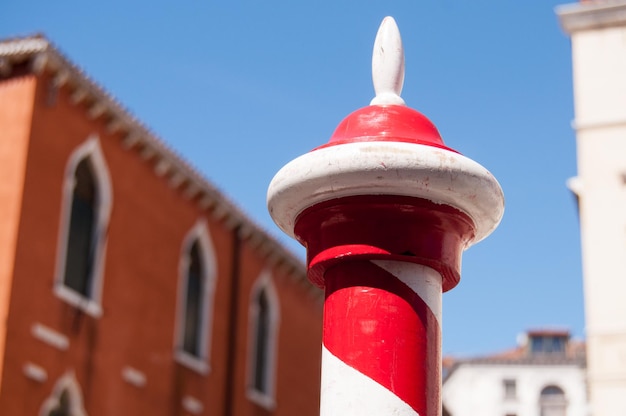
column 392, row 227
column 379, row 326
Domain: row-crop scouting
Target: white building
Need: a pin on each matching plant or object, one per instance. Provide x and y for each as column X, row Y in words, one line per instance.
column 544, row 376
column 598, row 35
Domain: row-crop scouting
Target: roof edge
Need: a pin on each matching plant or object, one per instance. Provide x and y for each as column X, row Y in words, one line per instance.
column 39, row 53
column 591, row 15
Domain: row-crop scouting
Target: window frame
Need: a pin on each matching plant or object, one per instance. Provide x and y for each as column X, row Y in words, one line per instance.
column 67, row 383
column 509, row 387
column 549, row 400
column 264, row 283
column 91, row 150
column 199, row 363
column 548, row 344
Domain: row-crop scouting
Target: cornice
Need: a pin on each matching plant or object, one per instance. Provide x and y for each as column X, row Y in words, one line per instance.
column 592, row 15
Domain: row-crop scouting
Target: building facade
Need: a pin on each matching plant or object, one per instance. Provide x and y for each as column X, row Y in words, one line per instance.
column 130, row 285
column 543, row 376
column 598, row 36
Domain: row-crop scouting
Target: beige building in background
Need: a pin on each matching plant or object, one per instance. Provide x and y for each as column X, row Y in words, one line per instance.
column 543, row 376
column 598, row 34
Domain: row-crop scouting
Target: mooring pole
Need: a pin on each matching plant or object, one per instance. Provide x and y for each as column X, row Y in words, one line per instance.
column 385, row 211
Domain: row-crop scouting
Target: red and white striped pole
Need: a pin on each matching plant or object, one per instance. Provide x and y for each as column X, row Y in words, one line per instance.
column 385, row 211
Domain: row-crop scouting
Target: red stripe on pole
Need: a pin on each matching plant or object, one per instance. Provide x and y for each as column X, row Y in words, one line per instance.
column 379, row 326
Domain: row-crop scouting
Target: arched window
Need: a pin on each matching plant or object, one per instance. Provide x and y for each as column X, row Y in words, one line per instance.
column 62, row 408
column 193, row 301
column 80, row 241
column 197, row 283
column 66, row 399
column 260, row 382
column 552, row 401
column 85, row 215
column 264, row 321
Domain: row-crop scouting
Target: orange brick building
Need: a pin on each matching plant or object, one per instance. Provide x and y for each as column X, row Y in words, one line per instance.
column 129, row 285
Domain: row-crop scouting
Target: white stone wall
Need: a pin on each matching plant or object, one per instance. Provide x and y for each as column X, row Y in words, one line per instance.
column 478, row 389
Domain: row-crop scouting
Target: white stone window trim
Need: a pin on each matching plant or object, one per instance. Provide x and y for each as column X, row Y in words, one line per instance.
column 263, row 283
column 134, row 377
column 35, row 372
column 199, row 232
column 50, row 336
column 192, row 405
column 67, row 383
column 89, row 149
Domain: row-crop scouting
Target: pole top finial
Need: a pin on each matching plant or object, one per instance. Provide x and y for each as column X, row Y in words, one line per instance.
column 388, row 64
column 386, row 149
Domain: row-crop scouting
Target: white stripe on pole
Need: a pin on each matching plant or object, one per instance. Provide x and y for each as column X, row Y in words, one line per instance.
column 346, row 392
column 423, row 280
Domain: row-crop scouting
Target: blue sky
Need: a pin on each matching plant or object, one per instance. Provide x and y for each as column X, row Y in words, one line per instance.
column 240, row 88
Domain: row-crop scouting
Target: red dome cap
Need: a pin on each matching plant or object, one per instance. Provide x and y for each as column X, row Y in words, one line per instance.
column 396, row 123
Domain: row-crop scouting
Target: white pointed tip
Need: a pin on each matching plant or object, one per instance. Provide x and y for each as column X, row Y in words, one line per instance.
column 388, row 64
